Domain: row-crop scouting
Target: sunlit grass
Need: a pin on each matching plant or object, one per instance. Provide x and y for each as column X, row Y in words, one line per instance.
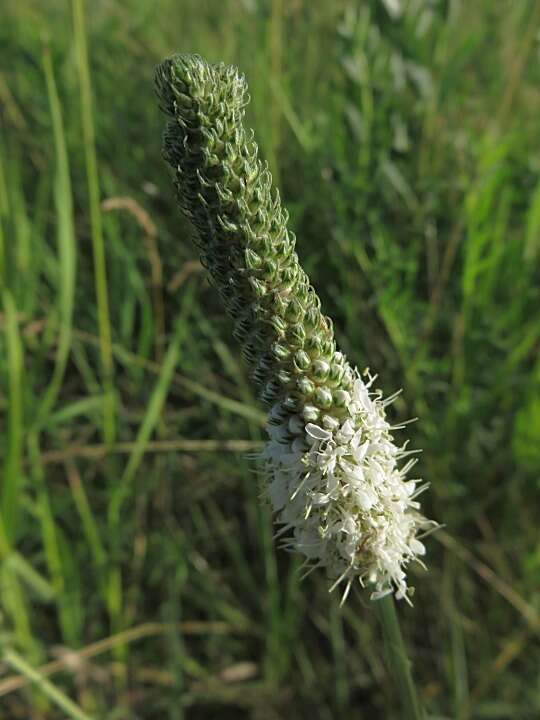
column 408, row 154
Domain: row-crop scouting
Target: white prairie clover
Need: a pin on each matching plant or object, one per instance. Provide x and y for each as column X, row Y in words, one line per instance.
column 333, row 475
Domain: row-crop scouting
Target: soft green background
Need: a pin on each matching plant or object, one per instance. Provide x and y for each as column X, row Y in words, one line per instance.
column 407, row 148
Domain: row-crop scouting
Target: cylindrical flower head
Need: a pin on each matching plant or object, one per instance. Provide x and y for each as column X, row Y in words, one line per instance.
column 333, row 475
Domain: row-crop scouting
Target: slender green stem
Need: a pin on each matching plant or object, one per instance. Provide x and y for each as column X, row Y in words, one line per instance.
column 96, row 225
column 398, row 661
column 67, row 247
column 11, row 481
column 53, row 693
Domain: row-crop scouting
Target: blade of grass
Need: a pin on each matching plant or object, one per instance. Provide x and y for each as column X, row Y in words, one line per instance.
column 22, row 230
column 19, row 566
column 125, row 357
column 205, row 445
column 3, row 213
column 150, row 419
column 61, row 577
column 154, row 408
column 15, row 423
column 89, row 524
column 65, row 241
column 18, row 663
column 98, row 248
column 532, row 243
column 14, row 599
column 89, row 407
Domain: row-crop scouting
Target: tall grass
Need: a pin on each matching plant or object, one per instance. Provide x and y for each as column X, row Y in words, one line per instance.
column 407, row 151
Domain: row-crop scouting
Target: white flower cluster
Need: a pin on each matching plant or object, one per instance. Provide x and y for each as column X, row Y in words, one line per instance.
column 337, row 488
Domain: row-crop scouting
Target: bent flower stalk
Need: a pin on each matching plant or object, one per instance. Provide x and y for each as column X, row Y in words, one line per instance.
column 332, row 467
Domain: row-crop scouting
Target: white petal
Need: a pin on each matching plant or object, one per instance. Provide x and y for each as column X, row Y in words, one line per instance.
column 356, row 438
column 352, row 471
column 366, row 500
column 417, row 547
column 317, row 433
column 360, row 452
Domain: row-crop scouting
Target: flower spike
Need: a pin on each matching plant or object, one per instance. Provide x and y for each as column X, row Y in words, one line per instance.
column 331, row 464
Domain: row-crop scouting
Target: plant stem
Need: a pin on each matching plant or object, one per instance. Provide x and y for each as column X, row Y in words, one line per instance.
column 96, row 222
column 396, row 655
column 19, row 664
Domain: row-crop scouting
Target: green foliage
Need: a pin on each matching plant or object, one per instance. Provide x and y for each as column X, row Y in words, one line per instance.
column 407, row 150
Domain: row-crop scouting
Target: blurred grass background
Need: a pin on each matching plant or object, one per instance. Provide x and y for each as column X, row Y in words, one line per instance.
column 138, row 576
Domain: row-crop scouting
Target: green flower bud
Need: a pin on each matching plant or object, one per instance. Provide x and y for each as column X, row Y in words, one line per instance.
column 241, row 227
column 296, row 335
column 321, row 370
column 305, row 386
column 294, row 311
column 323, row 398
column 280, row 352
column 284, row 377
column 310, row 413
column 252, row 260
column 342, row 398
column 301, row 360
